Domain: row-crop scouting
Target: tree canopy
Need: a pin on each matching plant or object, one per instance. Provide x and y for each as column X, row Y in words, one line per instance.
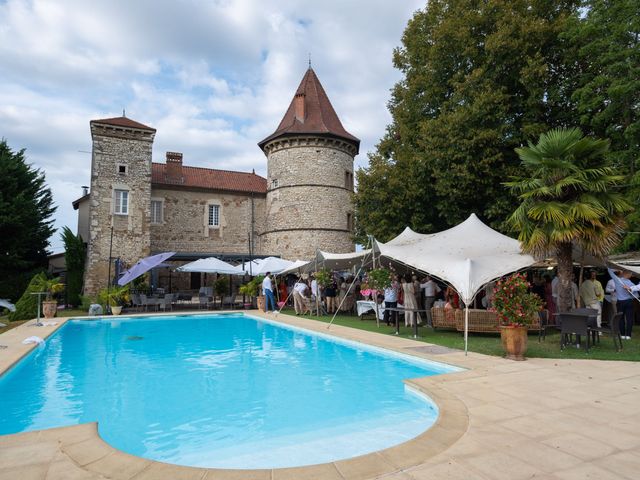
column 481, row 78
column 26, row 207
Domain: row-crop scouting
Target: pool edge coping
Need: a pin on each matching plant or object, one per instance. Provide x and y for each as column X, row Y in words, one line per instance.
column 94, row 454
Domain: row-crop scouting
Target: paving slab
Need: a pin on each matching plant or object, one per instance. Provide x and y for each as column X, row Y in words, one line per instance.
column 543, row 418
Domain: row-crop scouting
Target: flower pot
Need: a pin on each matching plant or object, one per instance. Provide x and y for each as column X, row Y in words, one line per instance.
column 49, row 308
column 247, row 306
column 262, row 301
column 514, row 341
column 117, row 310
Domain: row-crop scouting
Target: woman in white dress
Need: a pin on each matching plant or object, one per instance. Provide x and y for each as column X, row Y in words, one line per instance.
column 409, row 302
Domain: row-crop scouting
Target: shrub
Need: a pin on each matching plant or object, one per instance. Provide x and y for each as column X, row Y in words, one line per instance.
column 513, row 302
column 27, row 305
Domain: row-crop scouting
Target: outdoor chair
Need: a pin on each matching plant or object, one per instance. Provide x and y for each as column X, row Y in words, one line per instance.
column 136, row 302
column 546, row 322
column 443, row 319
column 612, row 329
column 166, row 303
column 146, row 302
column 204, row 301
column 573, row 323
column 228, row 302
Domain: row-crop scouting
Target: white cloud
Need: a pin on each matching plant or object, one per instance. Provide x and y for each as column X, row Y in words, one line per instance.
column 213, row 77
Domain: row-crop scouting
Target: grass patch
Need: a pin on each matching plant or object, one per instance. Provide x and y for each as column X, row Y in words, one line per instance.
column 490, row 344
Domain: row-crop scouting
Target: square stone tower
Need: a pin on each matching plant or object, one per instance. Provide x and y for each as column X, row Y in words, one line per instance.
column 310, row 178
column 120, row 196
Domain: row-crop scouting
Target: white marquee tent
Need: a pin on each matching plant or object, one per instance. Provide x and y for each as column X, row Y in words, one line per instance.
column 467, row 256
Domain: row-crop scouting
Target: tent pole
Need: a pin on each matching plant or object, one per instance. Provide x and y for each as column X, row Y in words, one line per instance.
column 362, row 263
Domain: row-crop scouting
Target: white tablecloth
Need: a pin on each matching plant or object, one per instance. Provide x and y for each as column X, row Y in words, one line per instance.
column 364, row 306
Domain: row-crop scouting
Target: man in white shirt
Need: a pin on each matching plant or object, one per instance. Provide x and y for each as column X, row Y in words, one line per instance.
column 267, row 291
column 430, row 290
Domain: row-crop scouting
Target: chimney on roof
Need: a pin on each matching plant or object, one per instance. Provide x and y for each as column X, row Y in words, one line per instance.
column 174, row 167
column 85, row 190
column 298, row 103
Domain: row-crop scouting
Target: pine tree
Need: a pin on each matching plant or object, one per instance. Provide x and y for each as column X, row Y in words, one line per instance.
column 26, row 207
column 74, row 257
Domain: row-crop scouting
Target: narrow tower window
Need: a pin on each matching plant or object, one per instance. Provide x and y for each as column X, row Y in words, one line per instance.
column 348, row 180
column 349, row 222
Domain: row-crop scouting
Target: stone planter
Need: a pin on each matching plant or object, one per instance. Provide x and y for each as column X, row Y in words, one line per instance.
column 49, row 308
column 262, row 301
column 514, row 341
column 117, row 310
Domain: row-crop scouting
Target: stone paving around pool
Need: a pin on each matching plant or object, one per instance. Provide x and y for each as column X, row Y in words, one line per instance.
column 542, row 418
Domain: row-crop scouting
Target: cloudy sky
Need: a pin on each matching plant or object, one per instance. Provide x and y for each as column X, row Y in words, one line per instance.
column 212, row 76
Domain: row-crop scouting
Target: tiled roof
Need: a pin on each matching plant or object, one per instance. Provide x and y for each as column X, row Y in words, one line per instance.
column 210, row 179
column 319, row 115
column 123, row 122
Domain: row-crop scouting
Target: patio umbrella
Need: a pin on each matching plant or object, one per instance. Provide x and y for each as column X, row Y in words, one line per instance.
column 272, row 264
column 211, row 265
column 142, row 266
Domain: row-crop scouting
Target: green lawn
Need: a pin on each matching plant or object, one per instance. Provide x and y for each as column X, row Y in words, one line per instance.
column 490, row 344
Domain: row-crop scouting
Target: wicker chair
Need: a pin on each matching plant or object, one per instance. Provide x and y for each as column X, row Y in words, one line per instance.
column 480, row 321
column 442, row 319
column 484, row 321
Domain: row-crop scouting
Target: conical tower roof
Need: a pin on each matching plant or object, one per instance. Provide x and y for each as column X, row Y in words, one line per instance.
column 311, row 112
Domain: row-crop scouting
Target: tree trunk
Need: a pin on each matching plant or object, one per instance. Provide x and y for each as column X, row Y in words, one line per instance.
column 565, row 271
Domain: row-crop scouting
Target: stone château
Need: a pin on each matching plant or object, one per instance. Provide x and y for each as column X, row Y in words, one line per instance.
column 136, row 207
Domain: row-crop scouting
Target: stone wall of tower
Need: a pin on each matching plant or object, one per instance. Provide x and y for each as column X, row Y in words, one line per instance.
column 185, row 227
column 116, row 149
column 309, row 196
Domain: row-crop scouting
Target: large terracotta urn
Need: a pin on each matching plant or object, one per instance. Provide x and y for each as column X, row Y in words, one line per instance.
column 262, row 301
column 514, row 341
column 49, row 308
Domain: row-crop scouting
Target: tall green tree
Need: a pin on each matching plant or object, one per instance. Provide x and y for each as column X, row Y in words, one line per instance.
column 74, row 257
column 604, row 41
column 26, row 207
column 479, row 79
column 569, row 197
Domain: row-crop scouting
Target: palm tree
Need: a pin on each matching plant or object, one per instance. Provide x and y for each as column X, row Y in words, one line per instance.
column 568, row 198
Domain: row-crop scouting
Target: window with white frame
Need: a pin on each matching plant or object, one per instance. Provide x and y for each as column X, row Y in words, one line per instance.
column 275, row 183
column 156, row 211
column 121, row 202
column 214, row 216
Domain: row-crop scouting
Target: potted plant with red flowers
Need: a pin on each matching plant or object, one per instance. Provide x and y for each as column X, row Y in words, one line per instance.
column 516, row 308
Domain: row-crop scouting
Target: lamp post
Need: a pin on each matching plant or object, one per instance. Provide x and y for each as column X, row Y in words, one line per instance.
column 108, row 306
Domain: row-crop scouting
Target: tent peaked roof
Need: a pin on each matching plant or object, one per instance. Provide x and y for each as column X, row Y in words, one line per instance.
column 311, row 112
column 467, row 256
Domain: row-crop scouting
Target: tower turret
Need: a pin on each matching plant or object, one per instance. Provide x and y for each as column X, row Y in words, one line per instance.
column 120, row 197
column 309, row 177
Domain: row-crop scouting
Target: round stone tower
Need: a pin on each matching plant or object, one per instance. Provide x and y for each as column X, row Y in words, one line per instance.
column 309, row 178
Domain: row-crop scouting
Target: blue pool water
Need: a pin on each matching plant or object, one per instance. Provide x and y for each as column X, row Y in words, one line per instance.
column 225, row 391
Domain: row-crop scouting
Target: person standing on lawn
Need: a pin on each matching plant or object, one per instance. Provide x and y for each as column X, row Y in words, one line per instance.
column 267, row 291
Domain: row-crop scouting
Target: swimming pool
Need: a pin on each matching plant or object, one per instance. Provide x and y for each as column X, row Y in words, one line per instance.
column 225, row 391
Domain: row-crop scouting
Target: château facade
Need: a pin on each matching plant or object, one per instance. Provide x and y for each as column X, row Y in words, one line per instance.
column 136, row 207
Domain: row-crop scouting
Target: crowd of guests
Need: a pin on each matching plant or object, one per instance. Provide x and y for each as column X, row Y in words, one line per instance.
column 418, row 296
